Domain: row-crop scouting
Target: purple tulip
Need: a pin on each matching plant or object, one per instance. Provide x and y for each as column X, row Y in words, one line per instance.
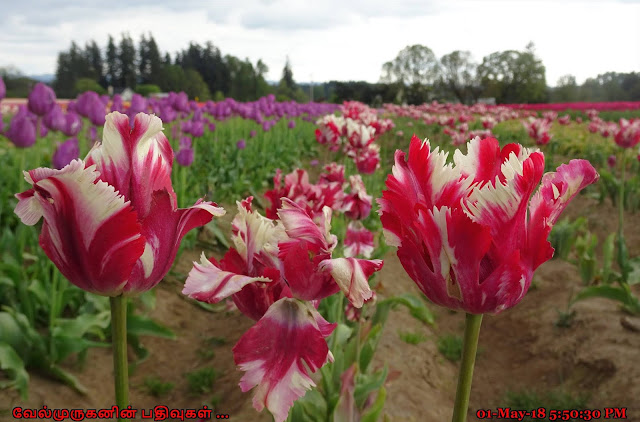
column 184, row 157
column 611, row 161
column 93, row 134
column 41, row 99
column 266, row 125
column 85, row 102
column 22, row 131
column 212, row 127
column 3, row 89
column 73, row 124
column 181, row 102
column 66, row 151
column 97, row 113
column 197, row 128
column 291, row 124
column 138, row 105
column 116, row 104
column 185, row 142
column 55, row 119
column 314, row 162
column 252, row 134
column 241, row 144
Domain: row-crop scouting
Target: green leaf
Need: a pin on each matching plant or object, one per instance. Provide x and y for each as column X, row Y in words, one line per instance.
column 139, row 325
column 367, row 384
column 617, row 293
column 634, row 273
column 372, row 414
column 607, row 258
column 11, row 363
column 416, row 306
column 82, row 324
column 623, row 257
column 312, row 408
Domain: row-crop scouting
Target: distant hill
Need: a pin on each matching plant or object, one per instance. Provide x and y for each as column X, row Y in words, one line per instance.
column 46, row 77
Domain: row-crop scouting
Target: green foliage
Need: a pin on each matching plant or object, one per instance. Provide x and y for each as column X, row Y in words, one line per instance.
column 86, row 84
column 451, row 347
column 564, row 234
column 513, row 77
column 156, row 387
column 412, row 337
column 147, row 89
column 557, row 400
column 201, row 380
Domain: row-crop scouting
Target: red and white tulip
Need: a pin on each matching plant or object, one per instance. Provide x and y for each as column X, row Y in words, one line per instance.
column 111, row 224
column 472, row 232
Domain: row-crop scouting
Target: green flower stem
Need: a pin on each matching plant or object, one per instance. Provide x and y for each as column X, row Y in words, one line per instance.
column 623, row 166
column 119, row 344
column 469, row 348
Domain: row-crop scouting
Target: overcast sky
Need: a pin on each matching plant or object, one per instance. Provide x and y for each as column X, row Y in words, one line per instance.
column 334, row 39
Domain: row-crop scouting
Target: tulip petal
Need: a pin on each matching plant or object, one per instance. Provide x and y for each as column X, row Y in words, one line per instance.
column 208, row 283
column 303, row 275
column 300, row 226
column 136, row 161
column 352, row 276
column 164, row 227
column 253, row 234
column 556, row 191
column 84, row 220
column 280, row 352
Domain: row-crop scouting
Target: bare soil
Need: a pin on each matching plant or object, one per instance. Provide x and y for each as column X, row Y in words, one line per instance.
column 520, row 349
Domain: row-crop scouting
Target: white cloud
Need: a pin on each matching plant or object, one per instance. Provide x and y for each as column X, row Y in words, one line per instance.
column 337, row 39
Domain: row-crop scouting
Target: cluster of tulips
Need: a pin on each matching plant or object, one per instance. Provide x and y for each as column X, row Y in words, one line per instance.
column 43, row 113
column 354, row 133
column 470, row 232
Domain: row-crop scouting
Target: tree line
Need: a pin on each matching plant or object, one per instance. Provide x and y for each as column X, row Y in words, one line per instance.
column 200, row 71
column 416, row 75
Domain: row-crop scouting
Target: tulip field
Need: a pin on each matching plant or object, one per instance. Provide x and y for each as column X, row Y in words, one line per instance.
column 168, row 259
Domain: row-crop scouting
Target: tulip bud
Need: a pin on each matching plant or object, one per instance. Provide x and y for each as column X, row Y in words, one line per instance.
column 184, row 157
column 65, row 153
column 73, row 124
column 41, row 99
column 55, row 119
column 22, row 131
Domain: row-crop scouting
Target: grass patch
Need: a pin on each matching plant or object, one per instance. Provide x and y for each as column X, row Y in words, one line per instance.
column 156, row 387
column 201, row 380
column 451, row 347
column 412, row 337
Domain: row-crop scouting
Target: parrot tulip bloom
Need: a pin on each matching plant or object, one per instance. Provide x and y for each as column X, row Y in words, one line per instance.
column 628, row 134
column 358, row 240
column 117, row 205
column 357, row 204
column 470, row 234
column 276, row 272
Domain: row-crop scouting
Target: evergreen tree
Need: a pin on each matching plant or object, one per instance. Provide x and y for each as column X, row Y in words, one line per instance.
column 127, row 62
column 155, row 61
column 93, row 56
column 144, row 66
column 113, row 73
